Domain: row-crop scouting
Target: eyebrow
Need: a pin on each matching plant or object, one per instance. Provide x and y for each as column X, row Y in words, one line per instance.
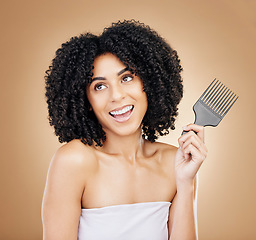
column 118, row 74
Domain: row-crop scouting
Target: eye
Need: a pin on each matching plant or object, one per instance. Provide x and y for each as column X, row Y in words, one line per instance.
column 99, row 87
column 127, row 78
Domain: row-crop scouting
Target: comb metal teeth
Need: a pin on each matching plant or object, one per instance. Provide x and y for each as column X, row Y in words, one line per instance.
column 218, row 98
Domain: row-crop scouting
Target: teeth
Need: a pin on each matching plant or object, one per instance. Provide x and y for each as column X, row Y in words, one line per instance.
column 124, row 110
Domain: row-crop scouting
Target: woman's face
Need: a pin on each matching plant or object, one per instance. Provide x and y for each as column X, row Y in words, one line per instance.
column 116, row 96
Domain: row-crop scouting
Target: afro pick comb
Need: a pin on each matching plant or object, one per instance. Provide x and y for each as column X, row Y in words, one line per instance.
column 213, row 104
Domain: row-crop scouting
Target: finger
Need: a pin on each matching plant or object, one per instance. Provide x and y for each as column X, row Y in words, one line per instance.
column 187, row 152
column 199, row 130
column 195, row 153
column 182, row 139
column 194, row 140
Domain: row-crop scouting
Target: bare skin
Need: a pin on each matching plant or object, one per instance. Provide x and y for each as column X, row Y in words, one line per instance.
column 118, row 180
column 127, row 169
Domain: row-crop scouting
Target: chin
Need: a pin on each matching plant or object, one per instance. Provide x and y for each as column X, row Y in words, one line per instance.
column 124, row 130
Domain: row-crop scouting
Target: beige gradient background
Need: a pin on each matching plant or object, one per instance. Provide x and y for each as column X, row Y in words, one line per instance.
column 213, row 39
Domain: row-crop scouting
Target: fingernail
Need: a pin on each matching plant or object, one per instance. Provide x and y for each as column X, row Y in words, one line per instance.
column 184, row 127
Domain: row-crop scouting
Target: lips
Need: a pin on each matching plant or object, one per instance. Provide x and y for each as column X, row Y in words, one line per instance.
column 122, row 114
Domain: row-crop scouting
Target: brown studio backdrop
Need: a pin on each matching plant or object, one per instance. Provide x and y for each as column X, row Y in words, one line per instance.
column 213, row 39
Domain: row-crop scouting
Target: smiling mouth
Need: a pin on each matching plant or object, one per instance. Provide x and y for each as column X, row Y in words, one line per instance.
column 122, row 115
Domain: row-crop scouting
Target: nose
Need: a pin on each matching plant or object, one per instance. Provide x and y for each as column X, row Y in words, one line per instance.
column 117, row 93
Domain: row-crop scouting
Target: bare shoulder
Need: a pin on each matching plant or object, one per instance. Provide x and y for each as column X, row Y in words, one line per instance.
column 167, row 151
column 69, row 169
column 166, row 155
column 74, row 154
column 75, row 148
column 167, row 148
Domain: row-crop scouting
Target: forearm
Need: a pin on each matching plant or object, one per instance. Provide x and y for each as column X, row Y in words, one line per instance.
column 183, row 226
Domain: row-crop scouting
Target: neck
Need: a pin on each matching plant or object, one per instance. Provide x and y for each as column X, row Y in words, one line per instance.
column 129, row 147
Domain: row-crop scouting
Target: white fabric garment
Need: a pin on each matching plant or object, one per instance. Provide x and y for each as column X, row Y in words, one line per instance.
column 136, row 221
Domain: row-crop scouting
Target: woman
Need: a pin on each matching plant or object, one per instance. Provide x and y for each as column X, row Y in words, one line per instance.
column 110, row 97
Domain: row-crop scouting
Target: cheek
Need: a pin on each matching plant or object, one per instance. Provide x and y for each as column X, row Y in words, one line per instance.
column 139, row 93
column 141, row 97
column 96, row 100
column 137, row 90
column 97, row 103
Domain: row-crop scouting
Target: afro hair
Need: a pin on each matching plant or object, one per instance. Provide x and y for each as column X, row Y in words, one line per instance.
column 141, row 49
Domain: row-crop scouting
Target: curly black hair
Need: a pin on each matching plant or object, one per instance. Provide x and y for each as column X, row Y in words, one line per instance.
column 141, row 49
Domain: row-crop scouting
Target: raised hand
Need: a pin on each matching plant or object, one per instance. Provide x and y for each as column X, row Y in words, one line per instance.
column 190, row 154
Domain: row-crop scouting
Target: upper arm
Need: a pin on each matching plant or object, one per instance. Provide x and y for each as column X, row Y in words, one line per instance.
column 172, row 208
column 61, row 207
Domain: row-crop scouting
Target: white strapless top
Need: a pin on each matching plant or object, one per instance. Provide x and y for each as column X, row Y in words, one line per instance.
column 136, row 221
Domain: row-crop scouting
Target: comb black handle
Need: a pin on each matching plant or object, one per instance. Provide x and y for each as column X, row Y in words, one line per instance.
column 183, row 132
column 195, row 122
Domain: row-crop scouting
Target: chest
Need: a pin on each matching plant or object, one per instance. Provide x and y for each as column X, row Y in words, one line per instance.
column 116, row 182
